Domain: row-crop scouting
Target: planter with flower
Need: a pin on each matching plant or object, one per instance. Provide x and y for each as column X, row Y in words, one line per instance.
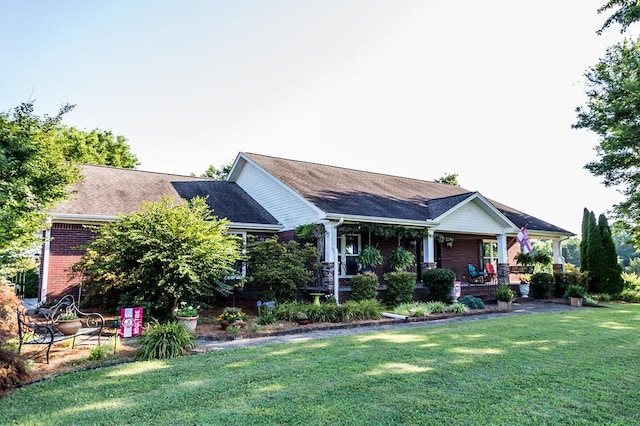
column 302, row 318
column 68, row 323
column 188, row 315
column 505, row 296
column 575, row 293
column 231, row 315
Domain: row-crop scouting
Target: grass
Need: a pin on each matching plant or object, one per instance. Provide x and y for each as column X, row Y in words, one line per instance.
column 574, row 367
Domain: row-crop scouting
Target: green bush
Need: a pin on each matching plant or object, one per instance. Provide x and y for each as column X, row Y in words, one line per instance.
column 542, row 285
column 364, row 286
column 400, row 286
column 458, row 308
column 437, row 307
column 278, row 269
column 160, row 341
column 564, row 279
column 471, row 302
column 412, row 309
column 439, row 281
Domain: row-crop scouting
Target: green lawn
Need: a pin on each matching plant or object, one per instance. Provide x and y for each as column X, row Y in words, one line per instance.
column 574, row 367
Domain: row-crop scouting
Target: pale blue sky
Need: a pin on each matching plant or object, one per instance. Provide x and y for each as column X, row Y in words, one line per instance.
column 413, row 88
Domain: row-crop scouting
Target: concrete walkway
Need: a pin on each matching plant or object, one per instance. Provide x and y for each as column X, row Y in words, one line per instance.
column 523, row 308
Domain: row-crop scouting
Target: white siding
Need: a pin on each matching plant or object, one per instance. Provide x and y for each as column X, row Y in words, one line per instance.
column 471, row 218
column 289, row 209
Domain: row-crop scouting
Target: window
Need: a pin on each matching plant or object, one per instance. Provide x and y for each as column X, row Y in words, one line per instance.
column 348, row 250
column 490, row 252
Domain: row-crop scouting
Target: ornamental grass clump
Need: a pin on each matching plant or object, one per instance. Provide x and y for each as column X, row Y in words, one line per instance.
column 161, row 341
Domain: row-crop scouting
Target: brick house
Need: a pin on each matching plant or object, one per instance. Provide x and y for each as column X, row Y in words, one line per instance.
column 272, row 196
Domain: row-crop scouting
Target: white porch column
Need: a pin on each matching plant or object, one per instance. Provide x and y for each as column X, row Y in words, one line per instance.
column 331, row 253
column 45, row 266
column 556, row 247
column 428, row 248
column 502, row 248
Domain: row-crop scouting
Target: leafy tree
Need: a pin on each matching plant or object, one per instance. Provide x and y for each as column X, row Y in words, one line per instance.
column 97, row 147
column 160, row 255
column 627, row 13
column 613, row 112
column 278, row 268
column 34, row 173
column 449, row 179
column 219, row 174
column 624, row 246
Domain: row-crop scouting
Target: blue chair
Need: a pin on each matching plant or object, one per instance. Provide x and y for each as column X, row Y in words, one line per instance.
column 475, row 276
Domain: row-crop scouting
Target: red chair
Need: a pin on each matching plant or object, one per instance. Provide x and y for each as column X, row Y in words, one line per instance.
column 490, row 272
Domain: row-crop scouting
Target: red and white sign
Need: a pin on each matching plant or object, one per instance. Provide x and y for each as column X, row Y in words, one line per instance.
column 130, row 322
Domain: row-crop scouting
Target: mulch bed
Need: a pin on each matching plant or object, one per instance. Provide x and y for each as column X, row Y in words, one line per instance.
column 64, row 359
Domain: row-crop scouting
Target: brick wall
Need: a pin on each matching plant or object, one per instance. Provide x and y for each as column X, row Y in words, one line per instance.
column 64, row 251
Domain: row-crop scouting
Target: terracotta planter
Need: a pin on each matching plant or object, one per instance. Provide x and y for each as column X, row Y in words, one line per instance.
column 576, row 301
column 69, row 327
column 189, row 322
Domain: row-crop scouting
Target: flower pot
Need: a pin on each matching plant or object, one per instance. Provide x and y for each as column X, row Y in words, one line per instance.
column 504, row 306
column 303, row 322
column 189, row 322
column 69, row 327
column 576, row 301
column 524, row 290
column 225, row 324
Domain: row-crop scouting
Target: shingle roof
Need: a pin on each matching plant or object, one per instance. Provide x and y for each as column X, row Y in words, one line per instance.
column 353, row 192
column 109, row 191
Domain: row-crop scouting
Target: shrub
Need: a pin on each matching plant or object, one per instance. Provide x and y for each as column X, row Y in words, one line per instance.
column 458, row 308
column 413, row 309
column 437, row 307
column 542, row 285
column 278, row 268
column 400, row 286
column 364, row 286
column 160, row 341
column 471, row 302
column 98, row 353
column 439, row 281
column 563, row 279
column 13, row 369
column 504, row 293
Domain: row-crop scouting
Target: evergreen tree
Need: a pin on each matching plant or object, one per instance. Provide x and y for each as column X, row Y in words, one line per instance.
column 593, row 254
column 584, row 266
column 611, row 281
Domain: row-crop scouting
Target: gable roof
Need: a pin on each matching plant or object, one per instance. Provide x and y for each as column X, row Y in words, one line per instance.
column 344, row 191
column 104, row 192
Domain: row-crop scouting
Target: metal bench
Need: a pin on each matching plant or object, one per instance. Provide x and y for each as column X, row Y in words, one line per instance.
column 39, row 326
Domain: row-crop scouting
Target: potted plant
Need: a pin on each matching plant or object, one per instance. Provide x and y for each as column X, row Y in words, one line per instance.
column 525, row 280
column 369, row 258
column 68, row 323
column 231, row 315
column 575, row 293
column 400, row 259
column 505, row 296
column 188, row 315
column 302, row 318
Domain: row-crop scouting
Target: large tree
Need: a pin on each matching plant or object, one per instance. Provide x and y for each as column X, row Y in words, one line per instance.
column 625, row 13
column 99, row 147
column 613, row 112
column 163, row 254
column 34, row 173
column 38, row 161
